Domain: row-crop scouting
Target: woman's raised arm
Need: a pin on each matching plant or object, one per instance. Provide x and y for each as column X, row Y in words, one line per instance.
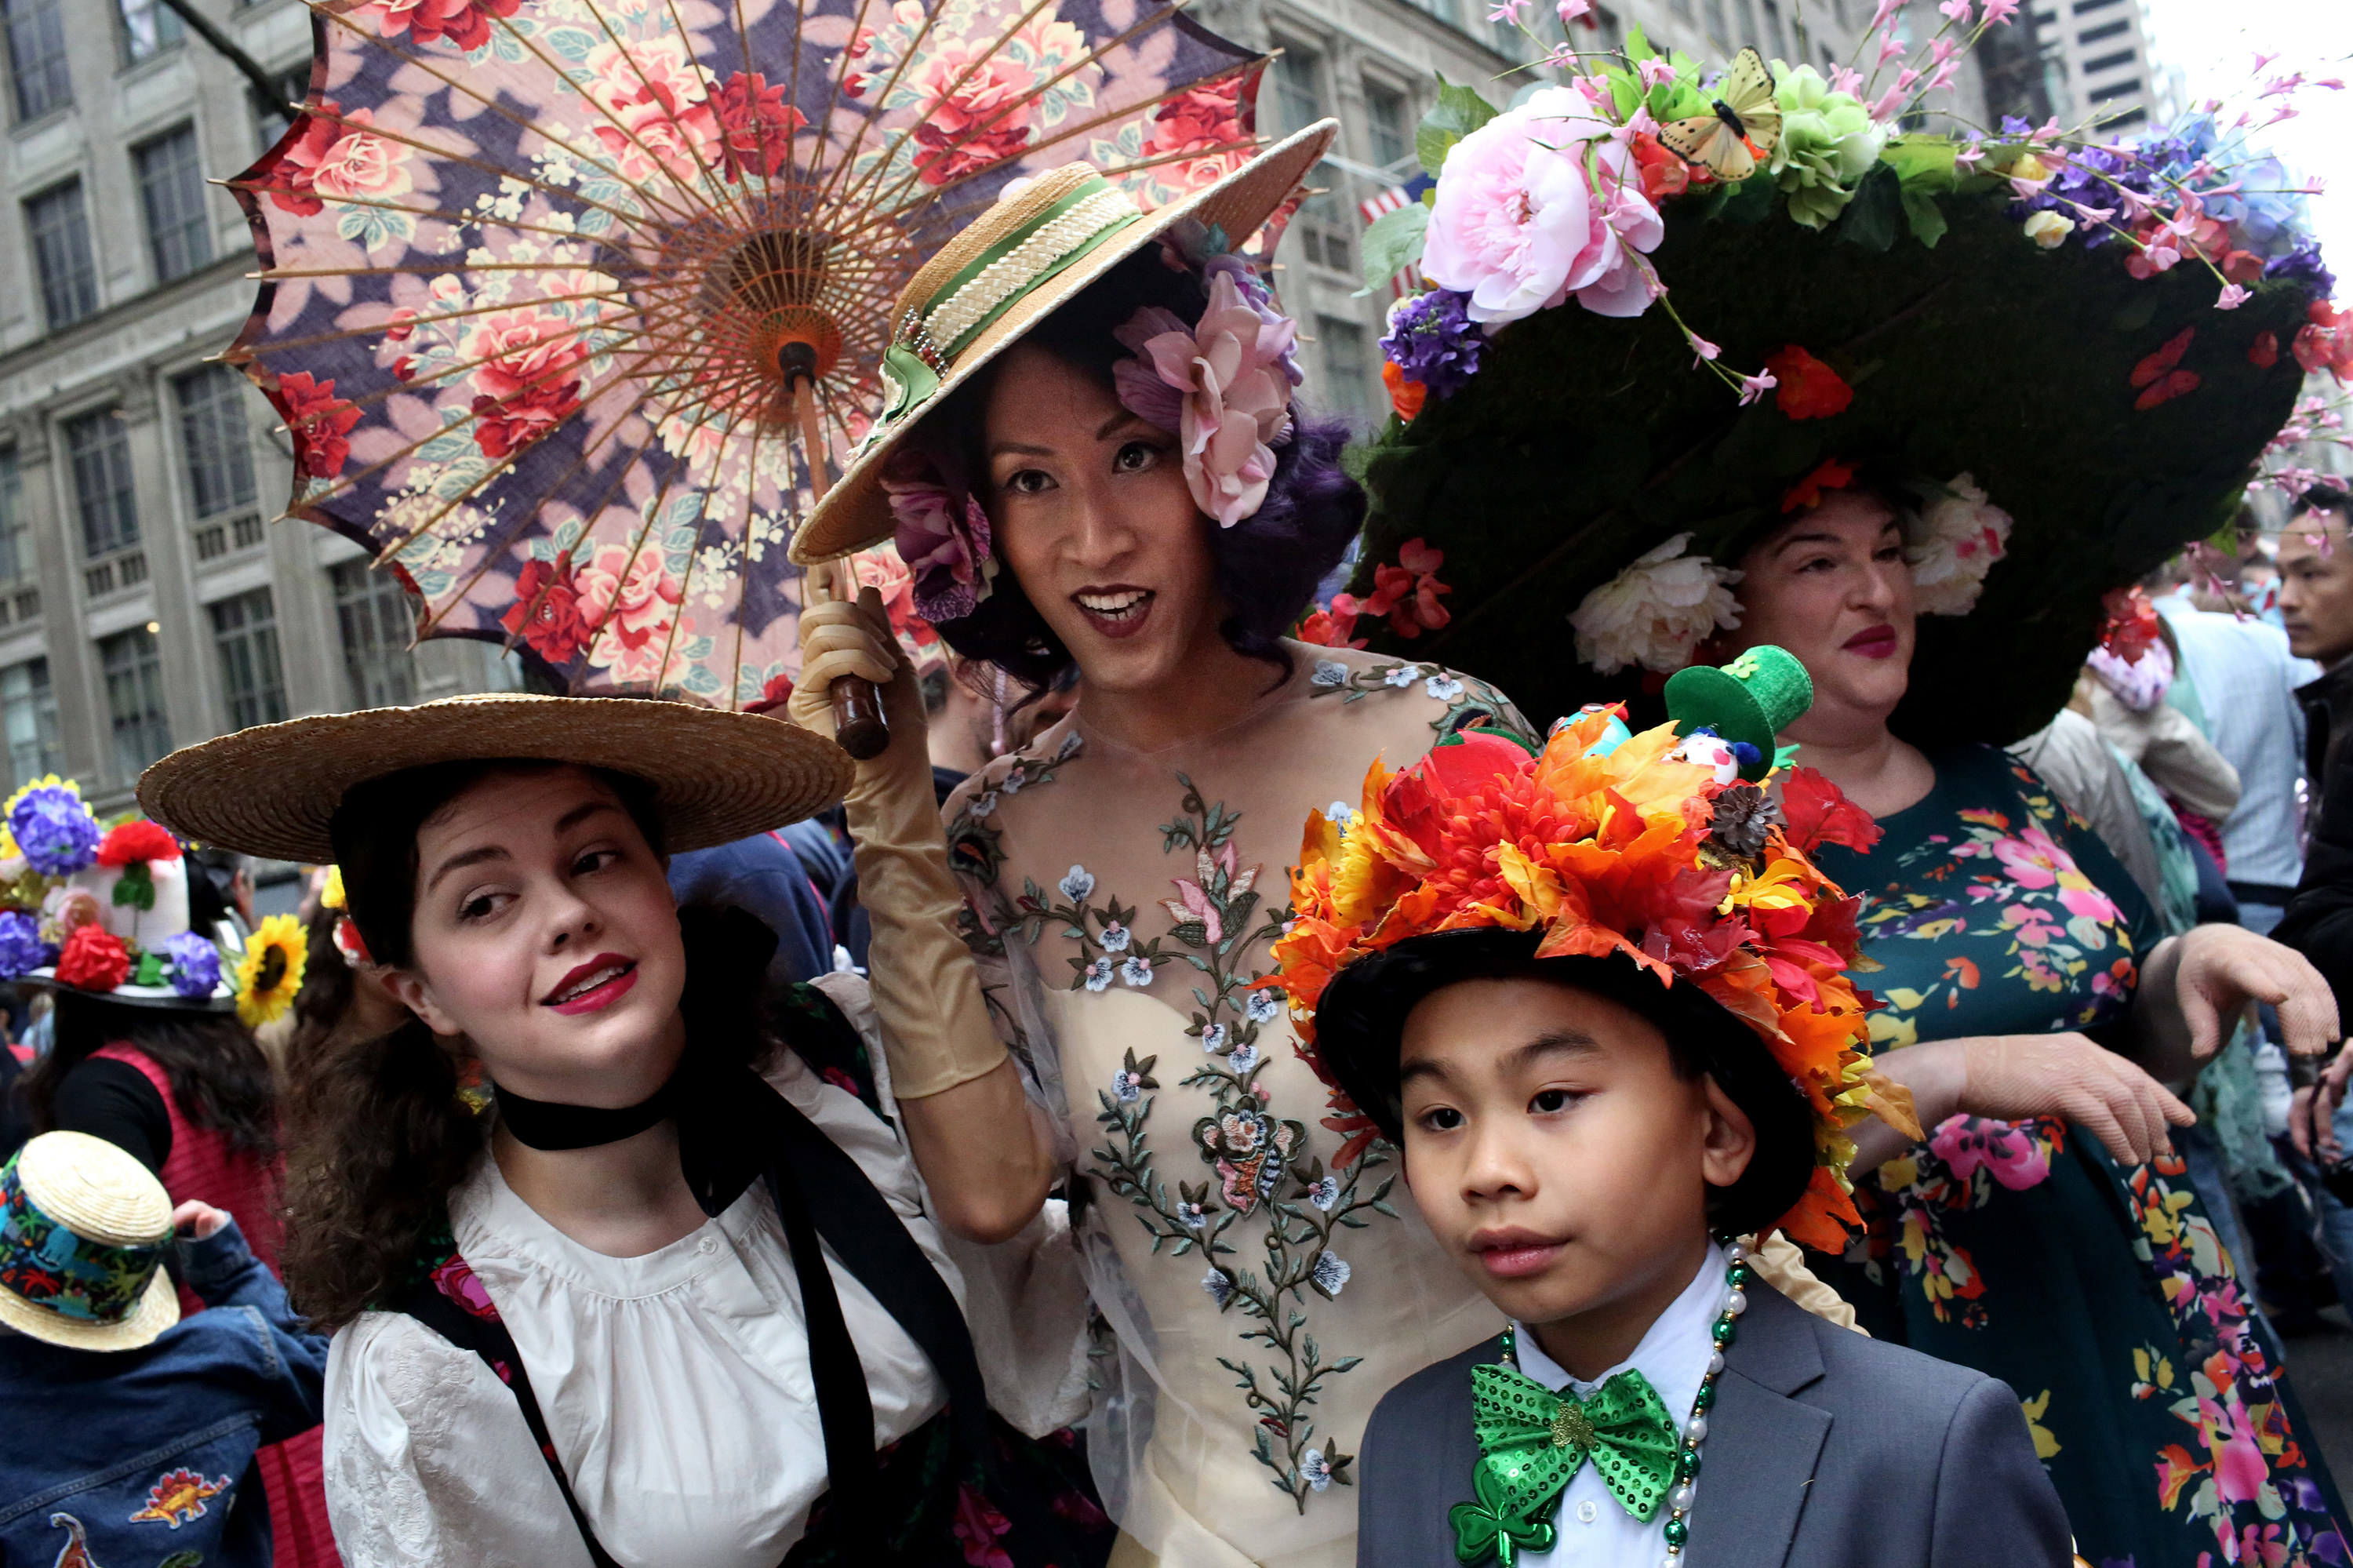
column 984, row 1151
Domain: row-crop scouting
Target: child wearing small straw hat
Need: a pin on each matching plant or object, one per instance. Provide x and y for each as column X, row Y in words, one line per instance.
column 674, row 1296
column 131, row 1432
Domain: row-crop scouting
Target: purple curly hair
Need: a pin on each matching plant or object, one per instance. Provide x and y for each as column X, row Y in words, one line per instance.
column 1265, row 568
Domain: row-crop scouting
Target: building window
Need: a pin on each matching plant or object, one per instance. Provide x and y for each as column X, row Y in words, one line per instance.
column 245, row 634
column 149, row 27
column 16, row 536
column 1347, row 374
column 1385, row 120
column 36, row 56
column 1298, row 99
column 273, row 114
column 134, row 699
column 172, row 190
column 98, row 446
column 212, row 440
column 2110, row 62
column 377, row 621
column 28, row 714
column 2098, row 35
column 2125, row 89
column 61, row 253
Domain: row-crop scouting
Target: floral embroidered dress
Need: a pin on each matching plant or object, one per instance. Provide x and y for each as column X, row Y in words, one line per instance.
column 1262, row 1279
column 2022, row 1249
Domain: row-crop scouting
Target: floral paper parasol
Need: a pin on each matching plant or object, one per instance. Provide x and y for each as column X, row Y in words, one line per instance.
column 541, row 278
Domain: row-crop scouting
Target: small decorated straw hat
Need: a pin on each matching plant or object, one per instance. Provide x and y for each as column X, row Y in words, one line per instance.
column 1044, row 242
column 717, row 776
column 84, row 1229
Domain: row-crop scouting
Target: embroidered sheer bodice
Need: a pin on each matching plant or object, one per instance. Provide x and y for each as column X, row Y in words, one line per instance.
column 1264, row 1277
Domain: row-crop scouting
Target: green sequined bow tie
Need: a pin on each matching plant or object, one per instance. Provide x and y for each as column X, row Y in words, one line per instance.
column 1531, row 1440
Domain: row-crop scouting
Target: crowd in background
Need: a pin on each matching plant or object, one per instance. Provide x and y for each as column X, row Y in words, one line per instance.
column 2205, row 743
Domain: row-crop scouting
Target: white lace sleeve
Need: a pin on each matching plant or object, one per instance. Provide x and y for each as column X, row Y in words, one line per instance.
column 428, row 1461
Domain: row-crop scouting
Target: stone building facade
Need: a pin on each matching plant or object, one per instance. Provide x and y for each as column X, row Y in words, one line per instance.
column 145, row 599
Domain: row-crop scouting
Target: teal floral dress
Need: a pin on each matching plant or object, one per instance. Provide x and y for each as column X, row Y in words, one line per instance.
column 2098, row 1292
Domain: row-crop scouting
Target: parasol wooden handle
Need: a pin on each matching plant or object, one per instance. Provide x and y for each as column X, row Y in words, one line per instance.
column 859, row 727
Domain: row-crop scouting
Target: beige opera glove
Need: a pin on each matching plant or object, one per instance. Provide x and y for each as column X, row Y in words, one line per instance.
column 935, row 1024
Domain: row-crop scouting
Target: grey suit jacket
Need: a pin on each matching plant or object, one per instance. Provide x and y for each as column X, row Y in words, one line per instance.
column 1825, row 1450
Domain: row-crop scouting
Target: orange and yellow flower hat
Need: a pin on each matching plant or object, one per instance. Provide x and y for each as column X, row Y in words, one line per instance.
column 1693, row 886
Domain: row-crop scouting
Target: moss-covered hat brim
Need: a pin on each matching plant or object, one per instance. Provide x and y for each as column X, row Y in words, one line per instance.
column 1584, row 440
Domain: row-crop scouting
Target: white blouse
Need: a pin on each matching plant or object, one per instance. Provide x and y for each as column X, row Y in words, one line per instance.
column 676, row 1385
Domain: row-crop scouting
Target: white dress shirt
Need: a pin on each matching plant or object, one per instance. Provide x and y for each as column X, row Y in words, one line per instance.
column 1591, row 1527
column 2246, row 680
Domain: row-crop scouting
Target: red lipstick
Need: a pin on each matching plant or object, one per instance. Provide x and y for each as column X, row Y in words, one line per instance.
column 1875, row 643
column 593, row 986
column 1118, row 611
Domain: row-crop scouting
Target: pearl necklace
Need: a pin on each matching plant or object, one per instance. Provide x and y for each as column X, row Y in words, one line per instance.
column 1737, row 1272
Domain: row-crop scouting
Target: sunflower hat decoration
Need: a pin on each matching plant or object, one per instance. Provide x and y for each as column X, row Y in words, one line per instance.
column 270, row 971
column 1648, row 845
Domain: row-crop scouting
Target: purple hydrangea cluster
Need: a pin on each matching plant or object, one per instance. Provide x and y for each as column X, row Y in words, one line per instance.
column 54, row 831
column 1432, row 340
column 195, row 964
column 21, row 948
column 2303, row 265
column 2263, row 217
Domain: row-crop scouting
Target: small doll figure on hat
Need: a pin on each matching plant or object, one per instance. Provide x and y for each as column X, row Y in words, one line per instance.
column 100, row 1363
column 1599, row 998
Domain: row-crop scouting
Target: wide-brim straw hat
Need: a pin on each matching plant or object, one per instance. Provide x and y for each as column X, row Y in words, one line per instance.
column 717, row 776
column 106, row 1200
column 1040, row 245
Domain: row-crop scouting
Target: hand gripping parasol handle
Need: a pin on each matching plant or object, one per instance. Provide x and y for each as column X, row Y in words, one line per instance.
column 859, row 725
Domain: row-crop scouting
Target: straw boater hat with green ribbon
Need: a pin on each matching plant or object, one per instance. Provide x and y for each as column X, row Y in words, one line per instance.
column 1044, row 242
column 84, row 1230
column 717, row 776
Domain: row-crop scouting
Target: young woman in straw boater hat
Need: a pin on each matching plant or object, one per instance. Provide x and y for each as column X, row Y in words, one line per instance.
column 670, row 1295
column 1092, row 458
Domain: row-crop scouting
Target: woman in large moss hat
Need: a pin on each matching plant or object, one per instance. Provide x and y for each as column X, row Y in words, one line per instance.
column 1805, row 386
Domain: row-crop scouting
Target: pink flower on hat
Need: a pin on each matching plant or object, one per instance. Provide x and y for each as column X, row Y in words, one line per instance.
column 1538, row 204
column 1226, row 380
column 943, row 539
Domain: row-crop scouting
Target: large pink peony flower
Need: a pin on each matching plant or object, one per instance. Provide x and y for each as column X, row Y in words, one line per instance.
column 1236, row 409
column 1520, row 223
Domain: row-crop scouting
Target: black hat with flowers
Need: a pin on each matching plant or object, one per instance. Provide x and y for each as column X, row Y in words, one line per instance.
column 2064, row 357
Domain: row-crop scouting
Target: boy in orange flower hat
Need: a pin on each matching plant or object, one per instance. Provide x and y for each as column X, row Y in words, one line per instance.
column 1599, row 996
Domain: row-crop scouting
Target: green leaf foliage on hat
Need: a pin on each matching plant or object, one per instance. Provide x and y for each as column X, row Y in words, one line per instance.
column 1584, row 439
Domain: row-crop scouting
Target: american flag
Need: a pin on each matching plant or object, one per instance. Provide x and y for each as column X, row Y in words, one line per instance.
column 1410, row 280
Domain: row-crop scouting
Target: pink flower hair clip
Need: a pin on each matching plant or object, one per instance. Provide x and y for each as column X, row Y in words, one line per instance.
column 1222, row 386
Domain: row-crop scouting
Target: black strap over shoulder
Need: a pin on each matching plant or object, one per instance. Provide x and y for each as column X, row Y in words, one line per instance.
column 468, row 1329
column 733, row 1129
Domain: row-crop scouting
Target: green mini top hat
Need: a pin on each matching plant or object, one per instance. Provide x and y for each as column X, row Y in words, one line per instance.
column 1748, row 702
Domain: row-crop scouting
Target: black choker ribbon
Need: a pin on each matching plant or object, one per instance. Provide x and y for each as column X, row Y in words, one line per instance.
column 544, row 1124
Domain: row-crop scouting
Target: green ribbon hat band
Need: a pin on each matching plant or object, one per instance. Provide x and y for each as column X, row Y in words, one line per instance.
column 1751, row 700
column 1059, row 238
